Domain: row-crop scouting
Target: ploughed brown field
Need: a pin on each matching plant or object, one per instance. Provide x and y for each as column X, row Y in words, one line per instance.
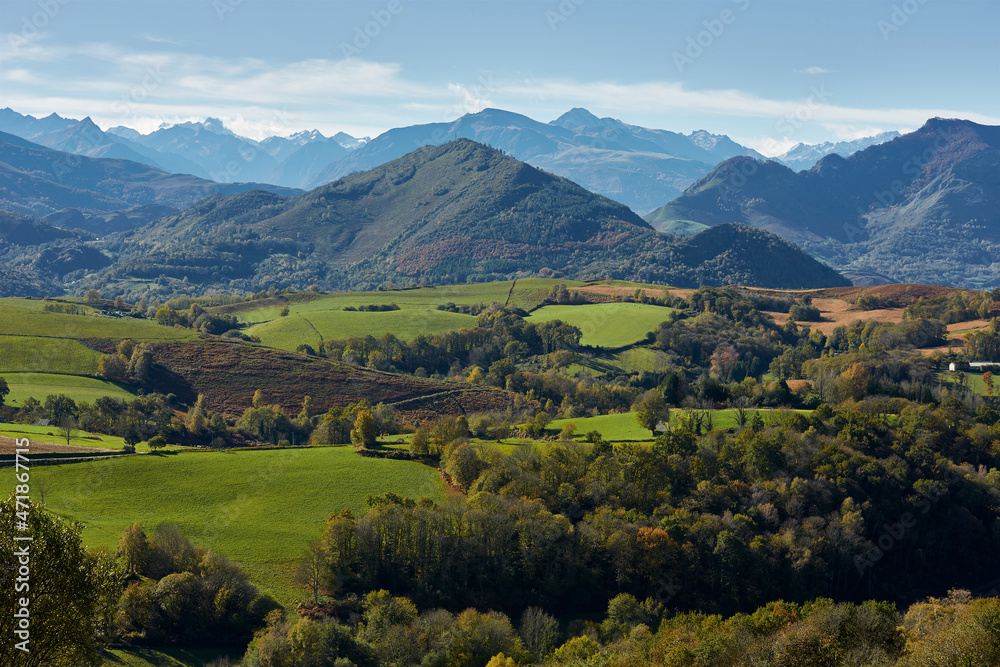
column 40, row 446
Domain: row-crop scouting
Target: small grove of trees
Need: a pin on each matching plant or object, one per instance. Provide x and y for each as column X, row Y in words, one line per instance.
column 984, row 345
column 130, row 362
column 190, row 595
column 198, row 318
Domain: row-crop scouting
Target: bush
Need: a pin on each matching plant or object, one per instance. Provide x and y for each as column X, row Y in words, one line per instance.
column 804, row 313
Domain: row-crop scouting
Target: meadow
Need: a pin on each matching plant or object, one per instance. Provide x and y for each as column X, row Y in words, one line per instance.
column 40, row 436
column 19, row 317
column 46, row 355
column 607, row 324
column 259, row 508
column 40, row 385
column 623, row 427
column 311, row 317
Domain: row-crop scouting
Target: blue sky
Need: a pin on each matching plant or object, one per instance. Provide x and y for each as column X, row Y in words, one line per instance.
column 769, row 73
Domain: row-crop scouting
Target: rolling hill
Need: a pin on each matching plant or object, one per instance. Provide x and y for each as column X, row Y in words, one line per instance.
column 920, row 208
column 37, row 181
column 461, row 212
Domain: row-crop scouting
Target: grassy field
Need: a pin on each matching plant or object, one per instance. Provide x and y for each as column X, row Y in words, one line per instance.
column 623, row 426
column 313, row 316
column 46, row 355
column 641, row 359
column 607, row 324
column 260, row 508
column 48, row 434
column 288, row 333
column 40, row 385
column 21, row 317
column 39, row 304
column 975, row 379
column 164, row 657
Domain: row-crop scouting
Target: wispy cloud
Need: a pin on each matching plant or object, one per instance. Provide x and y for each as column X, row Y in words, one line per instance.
column 156, row 39
column 813, row 70
column 143, row 88
column 668, row 97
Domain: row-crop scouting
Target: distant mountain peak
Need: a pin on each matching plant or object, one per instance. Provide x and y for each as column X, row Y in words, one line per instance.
column 213, row 125
column 305, row 136
column 803, row 156
column 349, row 142
column 576, row 117
column 705, row 139
column 122, row 131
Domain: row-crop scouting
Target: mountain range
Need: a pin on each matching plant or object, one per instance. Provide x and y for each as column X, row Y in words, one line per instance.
column 37, row 180
column 923, row 207
column 460, row 212
column 639, row 167
column 204, row 149
column 804, row 156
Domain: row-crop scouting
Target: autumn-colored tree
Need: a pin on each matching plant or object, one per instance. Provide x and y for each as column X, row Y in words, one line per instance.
column 723, row 359
column 363, row 433
column 134, row 548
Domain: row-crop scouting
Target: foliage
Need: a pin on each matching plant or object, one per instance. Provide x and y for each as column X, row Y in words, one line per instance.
column 69, row 592
column 201, row 597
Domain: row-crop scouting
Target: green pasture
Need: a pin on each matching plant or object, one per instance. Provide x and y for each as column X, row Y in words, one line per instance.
column 44, row 435
column 40, row 385
column 164, row 656
column 623, row 426
column 607, row 324
column 641, row 359
column 21, row 317
column 634, row 360
column 289, row 332
column 39, row 304
column 260, row 508
column 975, row 380
column 311, row 317
column 46, row 355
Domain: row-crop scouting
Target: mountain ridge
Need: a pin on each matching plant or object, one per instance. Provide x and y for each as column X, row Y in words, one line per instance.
column 460, row 212
column 932, row 194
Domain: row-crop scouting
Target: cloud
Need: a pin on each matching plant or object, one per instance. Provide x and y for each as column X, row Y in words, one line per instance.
column 469, row 100
column 767, row 146
column 143, row 88
column 156, row 39
column 813, row 70
column 817, row 105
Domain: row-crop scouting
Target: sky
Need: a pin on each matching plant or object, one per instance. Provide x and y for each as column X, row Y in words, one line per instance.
column 768, row 73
